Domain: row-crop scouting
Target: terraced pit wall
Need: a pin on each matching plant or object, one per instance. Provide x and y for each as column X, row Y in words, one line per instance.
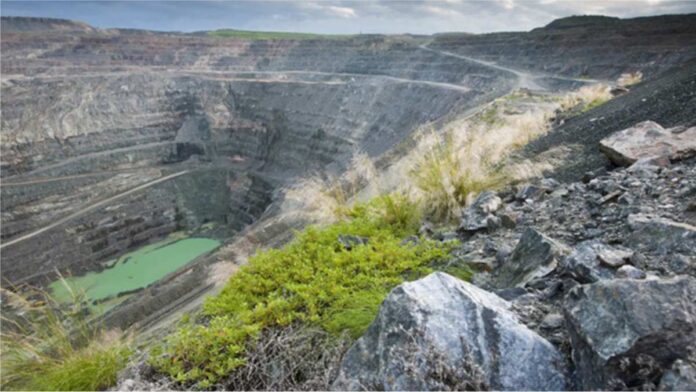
column 95, row 122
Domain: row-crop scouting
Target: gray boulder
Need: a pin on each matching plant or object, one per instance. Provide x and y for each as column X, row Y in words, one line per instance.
column 680, row 377
column 625, row 333
column 535, row 256
column 660, row 234
column 530, row 192
column 480, row 215
column 593, row 260
column 441, row 333
column 630, row 272
column 647, row 140
column 351, row 241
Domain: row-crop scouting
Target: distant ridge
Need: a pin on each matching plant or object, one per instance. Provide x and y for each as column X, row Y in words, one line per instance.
column 604, row 22
column 582, row 21
column 17, row 24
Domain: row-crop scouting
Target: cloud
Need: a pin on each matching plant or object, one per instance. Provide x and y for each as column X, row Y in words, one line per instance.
column 339, row 16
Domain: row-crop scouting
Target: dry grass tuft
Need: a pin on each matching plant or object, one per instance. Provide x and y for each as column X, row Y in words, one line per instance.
column 326, row 198
column 586, row 97
column 47, row 346
column 452, row 168
column 629, row 79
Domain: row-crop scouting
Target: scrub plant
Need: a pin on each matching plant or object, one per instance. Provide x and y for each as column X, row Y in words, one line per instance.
column 315, row 281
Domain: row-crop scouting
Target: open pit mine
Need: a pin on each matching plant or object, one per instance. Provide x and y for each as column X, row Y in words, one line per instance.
column 144, row 168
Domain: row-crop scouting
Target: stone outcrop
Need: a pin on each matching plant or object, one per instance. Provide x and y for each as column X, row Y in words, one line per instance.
column 440, row 333
column 535, row 256
column 593, row 260
column 624, row 332
column 649, row 140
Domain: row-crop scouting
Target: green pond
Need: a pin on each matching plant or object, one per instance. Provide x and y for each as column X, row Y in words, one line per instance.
column 134, row 270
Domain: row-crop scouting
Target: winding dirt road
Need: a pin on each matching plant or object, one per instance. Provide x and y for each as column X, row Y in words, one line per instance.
column 525, row 79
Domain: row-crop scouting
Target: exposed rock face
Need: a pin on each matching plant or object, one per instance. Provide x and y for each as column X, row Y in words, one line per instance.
column 624, row 331
column 649, row 140
column 440, row 333
column 535, row 256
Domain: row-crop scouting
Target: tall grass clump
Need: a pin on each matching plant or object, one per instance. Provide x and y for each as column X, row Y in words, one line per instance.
column 452, row 168
column 317, row 280
column 46, row 346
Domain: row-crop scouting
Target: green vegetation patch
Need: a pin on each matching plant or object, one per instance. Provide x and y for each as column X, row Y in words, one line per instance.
column 264, row 35
column 314, row 280
column 135, row 270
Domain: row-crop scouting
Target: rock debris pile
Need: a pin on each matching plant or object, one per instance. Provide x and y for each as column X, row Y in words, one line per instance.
column 584, row 285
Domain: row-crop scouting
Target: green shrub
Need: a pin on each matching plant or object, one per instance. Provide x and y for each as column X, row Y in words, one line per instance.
column 48, row 346
column 314, row 280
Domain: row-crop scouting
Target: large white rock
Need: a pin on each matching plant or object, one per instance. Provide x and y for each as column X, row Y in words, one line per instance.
column 441, row 333
column 649, row 139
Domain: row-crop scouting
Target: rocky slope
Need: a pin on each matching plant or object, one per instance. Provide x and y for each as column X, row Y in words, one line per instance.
column 582, row 285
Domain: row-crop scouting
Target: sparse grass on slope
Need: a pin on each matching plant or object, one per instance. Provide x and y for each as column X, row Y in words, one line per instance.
column 587, row 97
column 453, row 167
column 46, row 347
column 630, row 78
column 315, row 280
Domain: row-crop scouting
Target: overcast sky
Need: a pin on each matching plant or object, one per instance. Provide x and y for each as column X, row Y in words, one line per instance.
column 376, row 16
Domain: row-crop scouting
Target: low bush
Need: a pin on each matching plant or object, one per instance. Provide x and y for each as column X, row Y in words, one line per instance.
column 314, row 281
column 291, row 358
column 47, row 346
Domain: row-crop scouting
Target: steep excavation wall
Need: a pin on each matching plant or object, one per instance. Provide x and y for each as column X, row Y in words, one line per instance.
column 113, row 139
